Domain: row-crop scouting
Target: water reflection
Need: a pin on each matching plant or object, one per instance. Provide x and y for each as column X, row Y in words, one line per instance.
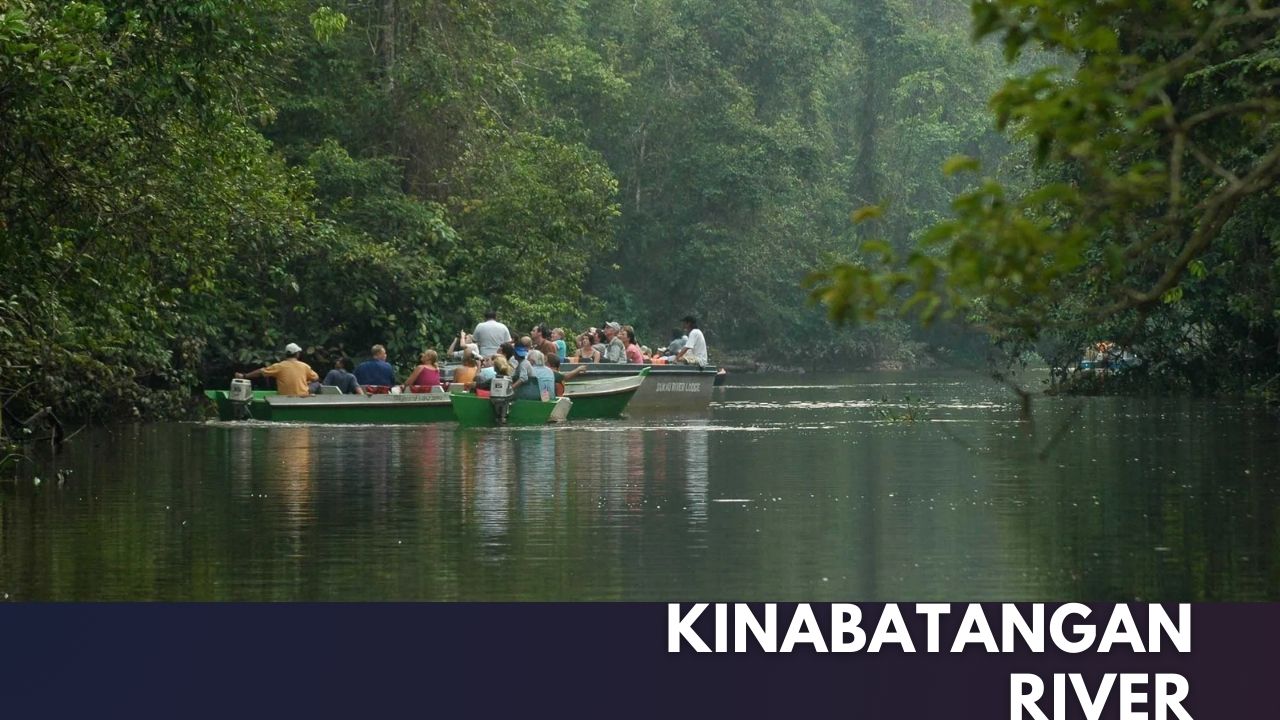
column 697, row 476
column 812, row 490
column 489, row 503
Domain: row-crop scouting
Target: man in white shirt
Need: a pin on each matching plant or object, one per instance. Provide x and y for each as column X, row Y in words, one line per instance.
column 490, row 334
column 694, row 351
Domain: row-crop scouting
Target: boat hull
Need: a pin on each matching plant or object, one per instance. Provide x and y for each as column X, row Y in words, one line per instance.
column 603, row 398
column 475, row 411
column 668, row 387
column 362, row 409
column 607, row 407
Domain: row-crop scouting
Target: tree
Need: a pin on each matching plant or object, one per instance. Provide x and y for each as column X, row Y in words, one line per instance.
column 1157, row 144
column 749, row 130
column 130, row 180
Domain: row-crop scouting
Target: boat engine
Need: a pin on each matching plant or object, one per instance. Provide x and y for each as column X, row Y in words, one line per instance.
column 240, row 395
column 501, row 395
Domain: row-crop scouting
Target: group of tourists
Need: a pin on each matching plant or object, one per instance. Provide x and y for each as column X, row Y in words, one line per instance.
column 616, row 343
column 532, row 362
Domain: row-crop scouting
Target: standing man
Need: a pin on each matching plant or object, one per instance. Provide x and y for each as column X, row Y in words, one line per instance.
column 614, row 351
column 291, row 374
column 377, row 371
column 490, row 334
column 694, row 351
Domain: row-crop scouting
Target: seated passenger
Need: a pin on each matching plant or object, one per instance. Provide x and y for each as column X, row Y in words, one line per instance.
column 633, row 354
column 586, row 353
column 678, row 339
column 599, row 343
column 491, row 367
column 342, row 379
column 694, row 351
column 502, row 366
column 465, row 374
column 540, row 340
column 426, row 376
column 459, row 345
column 524, row 346
column 291, row 374
column 557, row 337
column 377, row 372
column 508, row 351
column 615, row 351
column 497, row 367
column 534, row 381
column 553, row 362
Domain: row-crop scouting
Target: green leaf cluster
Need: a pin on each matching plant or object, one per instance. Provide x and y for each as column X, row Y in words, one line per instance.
column 1150, row 216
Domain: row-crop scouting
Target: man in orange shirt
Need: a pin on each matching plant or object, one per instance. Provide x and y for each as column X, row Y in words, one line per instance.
column 291, row 374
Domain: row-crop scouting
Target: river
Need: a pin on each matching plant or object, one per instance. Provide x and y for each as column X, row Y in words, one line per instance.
column 859, row 487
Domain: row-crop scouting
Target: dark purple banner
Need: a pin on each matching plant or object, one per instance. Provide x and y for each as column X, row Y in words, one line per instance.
column 611, row 660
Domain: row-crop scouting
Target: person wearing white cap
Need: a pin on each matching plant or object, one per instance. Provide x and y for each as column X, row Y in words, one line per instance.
column 615, row 351
column 291, row 374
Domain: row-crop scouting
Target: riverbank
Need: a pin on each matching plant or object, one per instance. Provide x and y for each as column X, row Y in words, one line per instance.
column 745, row 362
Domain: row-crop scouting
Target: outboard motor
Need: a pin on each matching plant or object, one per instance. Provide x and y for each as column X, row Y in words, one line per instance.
column 501, row 395
column 240, row 395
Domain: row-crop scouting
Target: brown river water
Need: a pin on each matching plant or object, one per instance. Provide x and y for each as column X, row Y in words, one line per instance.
column 859, row 487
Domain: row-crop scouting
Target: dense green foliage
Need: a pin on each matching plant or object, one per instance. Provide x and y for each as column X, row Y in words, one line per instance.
column 140, row 211
column 155, row 235
column 187, row 185
column 750, row 131
column 1155, row 218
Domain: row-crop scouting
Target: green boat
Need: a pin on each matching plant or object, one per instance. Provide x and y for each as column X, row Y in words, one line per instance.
column 591, row 400
column 603, row 399
column 475, row 411
column 404, row 408
column 258, row 408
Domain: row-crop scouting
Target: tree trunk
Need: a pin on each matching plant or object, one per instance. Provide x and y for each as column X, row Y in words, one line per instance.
column 388, row 45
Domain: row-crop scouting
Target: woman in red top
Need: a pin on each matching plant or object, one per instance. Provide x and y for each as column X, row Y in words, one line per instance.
column 634, row 354
column 426, row 375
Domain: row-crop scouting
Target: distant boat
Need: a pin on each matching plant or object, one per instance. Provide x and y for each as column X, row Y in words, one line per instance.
column 670, row 387
column 1106, row 356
